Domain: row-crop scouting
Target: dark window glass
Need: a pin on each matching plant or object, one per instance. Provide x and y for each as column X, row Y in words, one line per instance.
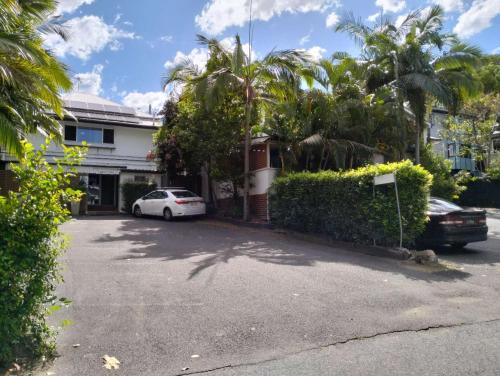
column 274, row 156
column 70, row 133
column 139, row 179
column 108, row 136
column 183, row 194
column 437, row 205
column 156, row 195
column 90, row 135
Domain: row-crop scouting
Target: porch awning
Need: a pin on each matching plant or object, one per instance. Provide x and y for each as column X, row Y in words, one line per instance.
column 100, row 170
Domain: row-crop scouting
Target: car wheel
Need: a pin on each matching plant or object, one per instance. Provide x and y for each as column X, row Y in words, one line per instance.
column 137, row 211
column 458, row 245
column 167, row 214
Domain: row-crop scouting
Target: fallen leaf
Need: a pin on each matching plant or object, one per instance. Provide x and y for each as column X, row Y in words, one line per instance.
column 15, row 368
column 185, row 368
column 50, row 373
column 195, row 356
column 110, row 362
column 76, row 345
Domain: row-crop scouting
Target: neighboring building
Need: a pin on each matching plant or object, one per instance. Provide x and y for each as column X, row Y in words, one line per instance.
column 264, row 167
column 448, row 149
column 119, row 141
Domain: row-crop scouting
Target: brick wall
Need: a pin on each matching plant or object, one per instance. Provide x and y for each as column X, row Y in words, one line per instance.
column 258, row 157
column 258, row 206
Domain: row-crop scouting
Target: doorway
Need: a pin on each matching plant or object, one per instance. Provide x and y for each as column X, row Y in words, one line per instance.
column 102, row 192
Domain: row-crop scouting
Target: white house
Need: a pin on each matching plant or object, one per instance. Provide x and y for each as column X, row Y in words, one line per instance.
column 119, row 140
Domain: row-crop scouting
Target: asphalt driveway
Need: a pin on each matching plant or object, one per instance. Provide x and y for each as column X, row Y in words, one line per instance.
column 203, row 296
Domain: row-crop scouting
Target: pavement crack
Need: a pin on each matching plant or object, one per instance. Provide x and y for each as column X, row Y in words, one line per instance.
column 342, row 342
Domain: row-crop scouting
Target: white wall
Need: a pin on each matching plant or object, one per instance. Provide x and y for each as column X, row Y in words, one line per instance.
column 129, row 150
column 262, row 180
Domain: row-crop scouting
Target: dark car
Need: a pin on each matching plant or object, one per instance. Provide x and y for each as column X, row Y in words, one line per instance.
column 453, row 225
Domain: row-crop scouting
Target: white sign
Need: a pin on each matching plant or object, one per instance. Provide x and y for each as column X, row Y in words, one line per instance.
column 384, row 179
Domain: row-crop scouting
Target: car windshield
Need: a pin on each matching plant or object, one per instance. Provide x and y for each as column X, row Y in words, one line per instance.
column 438, row 205
column 183, row 194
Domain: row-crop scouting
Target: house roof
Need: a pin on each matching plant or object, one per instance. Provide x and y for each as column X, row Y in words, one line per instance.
column 92, row 108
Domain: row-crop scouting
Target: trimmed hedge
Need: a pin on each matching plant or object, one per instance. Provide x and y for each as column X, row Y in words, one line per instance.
column 346, row 206
column 131, row 191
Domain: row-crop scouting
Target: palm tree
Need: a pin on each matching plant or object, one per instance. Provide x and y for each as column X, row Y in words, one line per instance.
column 30, row 77
column 418, row 61
column 273, row 78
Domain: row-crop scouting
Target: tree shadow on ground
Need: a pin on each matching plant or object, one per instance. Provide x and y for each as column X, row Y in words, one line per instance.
column 212, row 243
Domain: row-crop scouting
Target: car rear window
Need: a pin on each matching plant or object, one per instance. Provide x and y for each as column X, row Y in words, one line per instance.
column 442, row 206
column 183, row 194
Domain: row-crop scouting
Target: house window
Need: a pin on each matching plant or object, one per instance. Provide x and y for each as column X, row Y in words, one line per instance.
column 70, row 133
column 139, row 179
column 108, row 136
column 89, row 135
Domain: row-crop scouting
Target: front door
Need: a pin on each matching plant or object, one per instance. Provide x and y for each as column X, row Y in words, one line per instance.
column 102, row 192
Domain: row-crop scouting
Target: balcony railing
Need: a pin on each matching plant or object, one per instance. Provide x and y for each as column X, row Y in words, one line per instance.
column 461, row 163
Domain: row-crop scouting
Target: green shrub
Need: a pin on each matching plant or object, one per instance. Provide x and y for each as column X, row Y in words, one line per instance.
column 30, row 244
column 444, row 185
column 131, row 191
column 494, row 170
column 346, row 206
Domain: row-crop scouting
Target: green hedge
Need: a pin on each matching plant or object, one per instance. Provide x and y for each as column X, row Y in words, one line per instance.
column 132, row 191
column 346, row 206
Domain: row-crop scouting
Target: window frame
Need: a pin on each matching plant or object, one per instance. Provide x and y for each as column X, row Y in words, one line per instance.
column 78, row 141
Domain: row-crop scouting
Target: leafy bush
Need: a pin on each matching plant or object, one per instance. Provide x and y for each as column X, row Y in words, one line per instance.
column 30, row 244
column 444, row 185
column 131, row 191
column 494, row 170
column 346, row 206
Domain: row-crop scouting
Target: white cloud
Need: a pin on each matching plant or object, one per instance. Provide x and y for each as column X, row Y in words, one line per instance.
column 198, row 56
column 477, row 18
column 142, row 101
column 496, row 51
column 391, row 5
column 315, row 53
column 332, row 20
column 305, row 39
column 218, row 15
column 87, row 34
column 373, row 17
column 167, row 38
column 118, row 16
column 89, row 82
column 450, row 5
column 69, row 6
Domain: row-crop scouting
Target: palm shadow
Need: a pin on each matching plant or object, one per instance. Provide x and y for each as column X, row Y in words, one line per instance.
column 211, row 243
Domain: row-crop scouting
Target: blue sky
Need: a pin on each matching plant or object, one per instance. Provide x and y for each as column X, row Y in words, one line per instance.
column 121, row 49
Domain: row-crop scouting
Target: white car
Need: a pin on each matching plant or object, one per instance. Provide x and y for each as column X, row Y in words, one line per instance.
column 169, row 203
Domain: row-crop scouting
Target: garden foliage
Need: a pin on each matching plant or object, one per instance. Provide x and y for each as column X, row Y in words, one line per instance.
column 30, row 244
column 444, row 184
column 347, row 206
column 133, row 190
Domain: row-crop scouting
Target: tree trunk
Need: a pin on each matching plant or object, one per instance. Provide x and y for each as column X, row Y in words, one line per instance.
column 417, row 141
column 246, row 184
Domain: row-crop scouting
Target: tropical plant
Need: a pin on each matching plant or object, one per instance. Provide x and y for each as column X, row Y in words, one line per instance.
column 30, row 246
column 417, row 61
column 31, row 78
column 274, row 77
